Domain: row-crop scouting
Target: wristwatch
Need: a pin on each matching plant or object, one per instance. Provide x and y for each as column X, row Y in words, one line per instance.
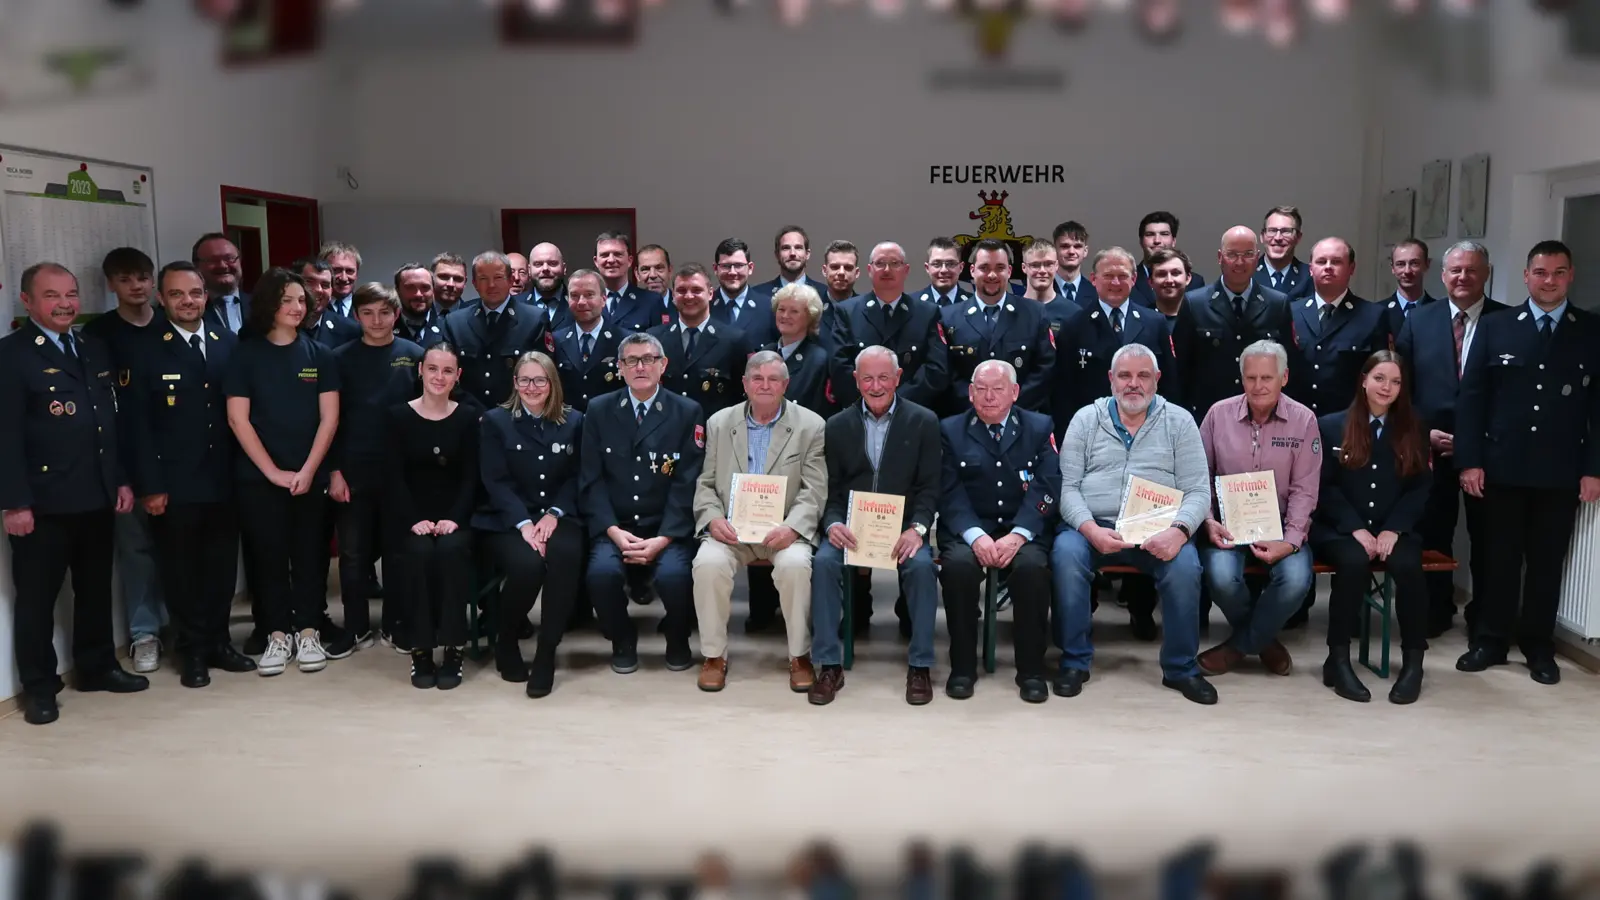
column 1183, row 528
column 920, row 529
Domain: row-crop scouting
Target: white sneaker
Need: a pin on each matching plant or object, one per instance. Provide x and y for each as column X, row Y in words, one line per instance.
column 146, row 655
column 276, row 658
column 313, row 658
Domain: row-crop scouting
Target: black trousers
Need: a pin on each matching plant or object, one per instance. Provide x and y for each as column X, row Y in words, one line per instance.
column 763, row 593
column 1445, row 502
column 1528, row 530
column 288, row 543
column 358, row 523
column 80, row 542
column 1350, row 580
column 530, row 576
column 432, row 577
column 1029, row 580
column 197, row 551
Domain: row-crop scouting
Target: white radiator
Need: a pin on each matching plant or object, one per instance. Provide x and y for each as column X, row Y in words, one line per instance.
column 1580, row 586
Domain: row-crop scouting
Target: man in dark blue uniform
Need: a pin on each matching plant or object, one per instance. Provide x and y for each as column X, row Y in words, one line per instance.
column 325, row 325
column 1071, row 241
column 449, row 281
column 586, row 347
column 738, row 303
column 628, row 307
column 547, row 292
column 1526, row 442
column 1217, row 322
column 419, row 312
column 1040, row 287
column 944, row 275
column 997, row 506
column 1157, row 231
column 791, row 248
column 1434, row 344
column 705, row 357
column 60, row 481
column 888, row 317
column 492, row 331
column 1279, row 269
column 997, row 324
column 642, row 448
column 1409, row 264
column 1334, row 332
column 182, row 471
column 652, row 270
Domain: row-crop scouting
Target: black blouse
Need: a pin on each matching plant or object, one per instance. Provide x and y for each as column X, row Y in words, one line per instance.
column 431, row 466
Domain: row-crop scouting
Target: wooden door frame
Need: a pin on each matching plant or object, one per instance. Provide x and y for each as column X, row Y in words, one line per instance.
column 229, row 190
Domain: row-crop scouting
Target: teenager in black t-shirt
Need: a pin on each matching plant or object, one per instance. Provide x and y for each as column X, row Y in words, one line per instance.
column 283, row 407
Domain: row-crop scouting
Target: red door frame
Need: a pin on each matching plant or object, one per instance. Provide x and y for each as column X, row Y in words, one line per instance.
column 229, row 190
column 509, row 230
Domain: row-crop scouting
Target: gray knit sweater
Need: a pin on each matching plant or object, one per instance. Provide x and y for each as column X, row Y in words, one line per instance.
column 1095, row 464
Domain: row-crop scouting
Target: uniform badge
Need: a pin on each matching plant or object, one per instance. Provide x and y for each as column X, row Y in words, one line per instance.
column 700, row 436
column 1019, row 362
column 172, row 400
column 666, row 318
column 705, row 385
column 1566, row 390
column 52, row 371
column 1316, row 446
column 549, row 342
column 167, row 336
column 72, row 408
column 56, row 408
column 1053, row 443
column 123, row 376
column 942, row 339
column 610, row 376
column 212, row 333
column 39, row 341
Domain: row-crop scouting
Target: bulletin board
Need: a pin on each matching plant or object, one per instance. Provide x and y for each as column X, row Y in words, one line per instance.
column 70, row 210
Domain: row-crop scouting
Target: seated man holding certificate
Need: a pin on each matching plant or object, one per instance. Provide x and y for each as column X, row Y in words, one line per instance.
column 1266, row 459
column 759, row 496
column 1134, row 489
column 883, row 491
column 996, row 511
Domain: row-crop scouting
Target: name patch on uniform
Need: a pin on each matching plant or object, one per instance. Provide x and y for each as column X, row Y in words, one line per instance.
column 172, row 378
column 1288, row 443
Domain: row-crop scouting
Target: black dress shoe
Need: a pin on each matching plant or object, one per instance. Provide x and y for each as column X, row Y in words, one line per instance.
column 115, row 681
column 679, row 656
column 1034, row 690
column 1143, row 625
column 1069, row 682
column 1543, row 669
column 255, row 644
column 624, row 660
column 1408, row 684
column 959, row 687
column 40, row 707
column 227, row 659
column 1480, row 658
column 541, row 675
column 193, row 671
column 1338, row 674
column 1195, row 689
column 508, row 661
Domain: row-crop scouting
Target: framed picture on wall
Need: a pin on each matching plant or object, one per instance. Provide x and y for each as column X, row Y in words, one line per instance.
column 1433, row 200
column 1474, row 205
column 1394, row 216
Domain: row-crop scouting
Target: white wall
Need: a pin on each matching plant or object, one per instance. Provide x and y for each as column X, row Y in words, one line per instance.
column 714, row 129
column 199, row 127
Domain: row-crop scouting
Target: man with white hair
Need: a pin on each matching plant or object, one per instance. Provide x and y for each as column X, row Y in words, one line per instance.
column 1261, row 430
column 997, row 507
column 1132, row 433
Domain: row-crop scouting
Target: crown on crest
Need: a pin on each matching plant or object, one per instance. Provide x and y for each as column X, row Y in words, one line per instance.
column 994, row 198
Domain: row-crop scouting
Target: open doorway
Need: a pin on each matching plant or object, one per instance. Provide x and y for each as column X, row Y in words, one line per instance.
column 572, row 230
column 269, row 229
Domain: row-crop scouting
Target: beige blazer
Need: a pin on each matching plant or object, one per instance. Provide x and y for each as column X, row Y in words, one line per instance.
column 795, row 453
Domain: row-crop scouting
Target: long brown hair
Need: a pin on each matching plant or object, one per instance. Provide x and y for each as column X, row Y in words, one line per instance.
column 1400, row 423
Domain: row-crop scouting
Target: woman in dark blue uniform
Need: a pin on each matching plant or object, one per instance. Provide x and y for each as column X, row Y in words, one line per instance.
column 283, row 407
column 432, row 475
column 797, row 309
column 529, row 455
column 1375, row 483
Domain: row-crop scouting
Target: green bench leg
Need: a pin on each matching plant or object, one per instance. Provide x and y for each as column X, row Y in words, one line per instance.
column 849, row 619
column 991, row 598
column 1379, row 599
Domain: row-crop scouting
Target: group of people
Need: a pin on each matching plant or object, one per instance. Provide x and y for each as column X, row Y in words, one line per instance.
column 602, row 414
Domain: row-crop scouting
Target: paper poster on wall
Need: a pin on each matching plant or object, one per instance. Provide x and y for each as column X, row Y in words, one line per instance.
column 71, row 211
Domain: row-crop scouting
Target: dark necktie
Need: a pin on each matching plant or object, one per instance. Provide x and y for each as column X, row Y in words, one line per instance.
column 689, row 336
column 1116, row 319
column 1547, row 330
column 494, row 320
column 1071, row 289
column 1459, row 327
column 611, row 302
column 1238, row 308
column 996, row 430
column 1323, row 312
column 989, row 313
column 1277, row 281
column 1405, row 309
column 199, row 347
column 638, row 414
column 66, row 345
column 1377, row 429
column 586, row 346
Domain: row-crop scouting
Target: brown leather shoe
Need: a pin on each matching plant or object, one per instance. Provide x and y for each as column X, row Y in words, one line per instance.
column 1276, row 658
column 919, row 686
column 1219, row 660
column 714, row 674
column 801, row 675
column 829, row 682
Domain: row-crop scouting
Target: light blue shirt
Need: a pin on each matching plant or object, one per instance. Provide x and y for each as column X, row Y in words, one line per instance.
column 759, row 439
column 56, row 338
column 1553, row 315
column 877, row 430
column 1106, row 308
column 233, row 315
column 788, row 349
column 648, row 402
column 1380, row 421
column 1076, row 284
column 738, row 303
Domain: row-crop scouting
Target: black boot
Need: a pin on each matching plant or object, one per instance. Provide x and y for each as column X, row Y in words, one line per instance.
column 1408, row 684
column 424, row 674
column 542, row 676
column 1337, row 674
column 449, row 676
column 508, row 660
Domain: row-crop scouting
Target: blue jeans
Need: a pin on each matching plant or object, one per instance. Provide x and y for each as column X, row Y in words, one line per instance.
column 1073, row 562
column 917, row 582
column 142, row 599
column 671, row 574
column 1256, row 623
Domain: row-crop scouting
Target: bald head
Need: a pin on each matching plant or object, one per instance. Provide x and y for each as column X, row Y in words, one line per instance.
column 519, row 272
column 546, row 269
column 1237, row 257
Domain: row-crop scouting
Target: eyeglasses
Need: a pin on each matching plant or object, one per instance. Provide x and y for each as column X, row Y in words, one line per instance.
column 230, row 260
column 732, row 267
column 886, row 265
column 943, row 264
column 535, row 381
column 1239, row 255
column 639, row 362
column 1279, row 232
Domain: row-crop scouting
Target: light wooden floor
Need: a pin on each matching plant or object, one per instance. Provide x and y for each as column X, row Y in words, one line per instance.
column 350, row 772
